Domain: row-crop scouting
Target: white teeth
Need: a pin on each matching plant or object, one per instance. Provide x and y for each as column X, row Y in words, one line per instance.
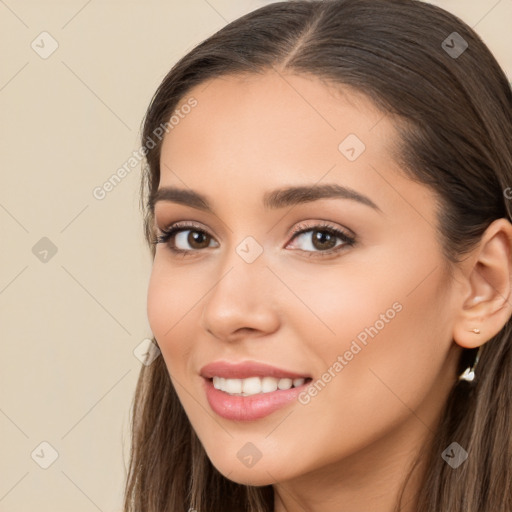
column 232, row 386
column 254, row 385
column 284, row 383
column 251, row 386
column 268, row 384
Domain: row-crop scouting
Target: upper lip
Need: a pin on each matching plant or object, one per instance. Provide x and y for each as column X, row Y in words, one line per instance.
column 246, row 369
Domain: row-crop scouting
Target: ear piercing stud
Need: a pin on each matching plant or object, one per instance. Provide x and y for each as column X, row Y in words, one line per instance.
column 476, row 331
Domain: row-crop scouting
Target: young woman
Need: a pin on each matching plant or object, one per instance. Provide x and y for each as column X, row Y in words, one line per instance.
column 327, row 199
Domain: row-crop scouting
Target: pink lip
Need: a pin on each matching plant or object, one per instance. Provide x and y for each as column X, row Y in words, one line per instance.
column 248, row 408
column 245, row 370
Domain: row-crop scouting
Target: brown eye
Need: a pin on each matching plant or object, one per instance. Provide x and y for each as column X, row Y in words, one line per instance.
column 196, row 239
column 323, row 239
column 183, row 238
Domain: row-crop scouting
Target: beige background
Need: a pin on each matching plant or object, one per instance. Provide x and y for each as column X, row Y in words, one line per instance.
column 69, row 324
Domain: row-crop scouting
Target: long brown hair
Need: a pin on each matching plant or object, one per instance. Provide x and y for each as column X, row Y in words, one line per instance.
column 453, row 111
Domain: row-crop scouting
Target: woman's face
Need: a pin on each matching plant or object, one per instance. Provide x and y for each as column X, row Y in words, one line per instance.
column 367, row 315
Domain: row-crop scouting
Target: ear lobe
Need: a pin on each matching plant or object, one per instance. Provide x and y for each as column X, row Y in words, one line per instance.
column 488, row 304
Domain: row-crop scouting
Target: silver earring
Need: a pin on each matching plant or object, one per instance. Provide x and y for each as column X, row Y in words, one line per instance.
column 469, row 372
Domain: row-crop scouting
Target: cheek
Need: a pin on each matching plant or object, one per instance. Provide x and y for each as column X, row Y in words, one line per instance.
column 159, row 306
column 392, row 335
column 170, row 301
column 393, row 342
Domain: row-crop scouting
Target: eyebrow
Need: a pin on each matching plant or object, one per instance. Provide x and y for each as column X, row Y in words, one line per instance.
column 274, row 199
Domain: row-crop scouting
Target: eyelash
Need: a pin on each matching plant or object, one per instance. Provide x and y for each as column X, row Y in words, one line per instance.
column 168, row 233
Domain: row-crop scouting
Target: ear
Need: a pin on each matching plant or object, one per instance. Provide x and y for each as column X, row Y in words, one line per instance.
column 486, row 302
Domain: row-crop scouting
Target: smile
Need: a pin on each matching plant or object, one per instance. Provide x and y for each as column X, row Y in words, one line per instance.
column 250, row 407
column 255, row 385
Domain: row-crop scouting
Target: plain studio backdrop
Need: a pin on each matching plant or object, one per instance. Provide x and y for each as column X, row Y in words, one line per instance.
column 75, row 80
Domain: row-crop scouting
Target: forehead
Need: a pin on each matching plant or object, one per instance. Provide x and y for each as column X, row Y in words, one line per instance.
column 270, row 119
column 272, row 99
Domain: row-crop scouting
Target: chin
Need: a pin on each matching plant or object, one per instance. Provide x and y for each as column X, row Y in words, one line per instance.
column 250, row 477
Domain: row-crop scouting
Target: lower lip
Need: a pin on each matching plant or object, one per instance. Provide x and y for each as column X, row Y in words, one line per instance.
column 249, row 408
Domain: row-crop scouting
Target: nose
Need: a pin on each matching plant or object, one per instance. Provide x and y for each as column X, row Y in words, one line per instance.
column 241, row 302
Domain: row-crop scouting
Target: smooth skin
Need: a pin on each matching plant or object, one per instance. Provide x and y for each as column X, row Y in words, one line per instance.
column 350, row 447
